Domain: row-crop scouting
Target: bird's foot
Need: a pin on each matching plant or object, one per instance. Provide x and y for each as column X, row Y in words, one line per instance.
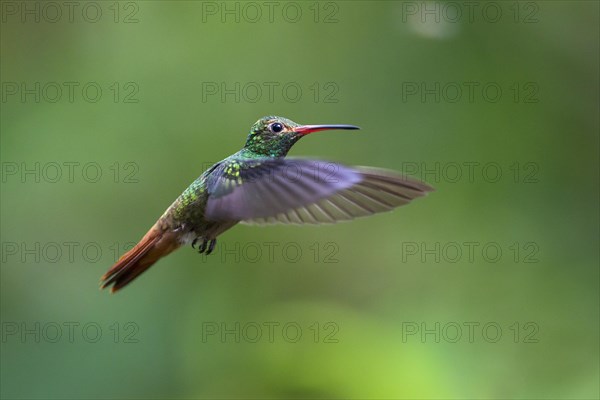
column 211, row 246
column 206, row 243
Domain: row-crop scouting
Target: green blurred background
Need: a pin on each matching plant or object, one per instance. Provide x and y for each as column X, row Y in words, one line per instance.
column 155, row 127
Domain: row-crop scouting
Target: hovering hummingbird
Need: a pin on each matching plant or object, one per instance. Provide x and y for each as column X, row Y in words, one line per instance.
column 259, row 185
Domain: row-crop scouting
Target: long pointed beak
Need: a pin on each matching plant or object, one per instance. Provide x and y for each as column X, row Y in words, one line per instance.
column 306, row 129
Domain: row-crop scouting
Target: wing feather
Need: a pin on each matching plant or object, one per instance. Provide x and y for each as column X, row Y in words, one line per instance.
column 377, row 191
column 262, row 188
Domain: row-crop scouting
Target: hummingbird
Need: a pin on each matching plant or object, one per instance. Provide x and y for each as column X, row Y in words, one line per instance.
column 259, row 185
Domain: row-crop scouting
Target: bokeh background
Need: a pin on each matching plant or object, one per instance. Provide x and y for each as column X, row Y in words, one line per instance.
column 361, row 293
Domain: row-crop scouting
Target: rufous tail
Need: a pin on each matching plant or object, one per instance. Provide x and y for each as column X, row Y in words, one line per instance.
column 153, row 246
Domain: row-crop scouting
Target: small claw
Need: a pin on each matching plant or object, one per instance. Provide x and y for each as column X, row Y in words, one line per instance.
column 194, row 243
column 211, row 246
column 202, row 247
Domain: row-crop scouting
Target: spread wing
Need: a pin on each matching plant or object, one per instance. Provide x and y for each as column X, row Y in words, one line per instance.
column 297, row 191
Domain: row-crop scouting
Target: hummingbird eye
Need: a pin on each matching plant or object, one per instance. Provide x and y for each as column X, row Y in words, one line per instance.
column 276, row 127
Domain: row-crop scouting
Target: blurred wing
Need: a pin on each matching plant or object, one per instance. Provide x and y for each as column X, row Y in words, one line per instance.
column 378, row 191
column 296, row 191
column 262, row 188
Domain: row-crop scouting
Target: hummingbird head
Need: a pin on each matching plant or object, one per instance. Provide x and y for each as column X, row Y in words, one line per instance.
column 274, row 136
